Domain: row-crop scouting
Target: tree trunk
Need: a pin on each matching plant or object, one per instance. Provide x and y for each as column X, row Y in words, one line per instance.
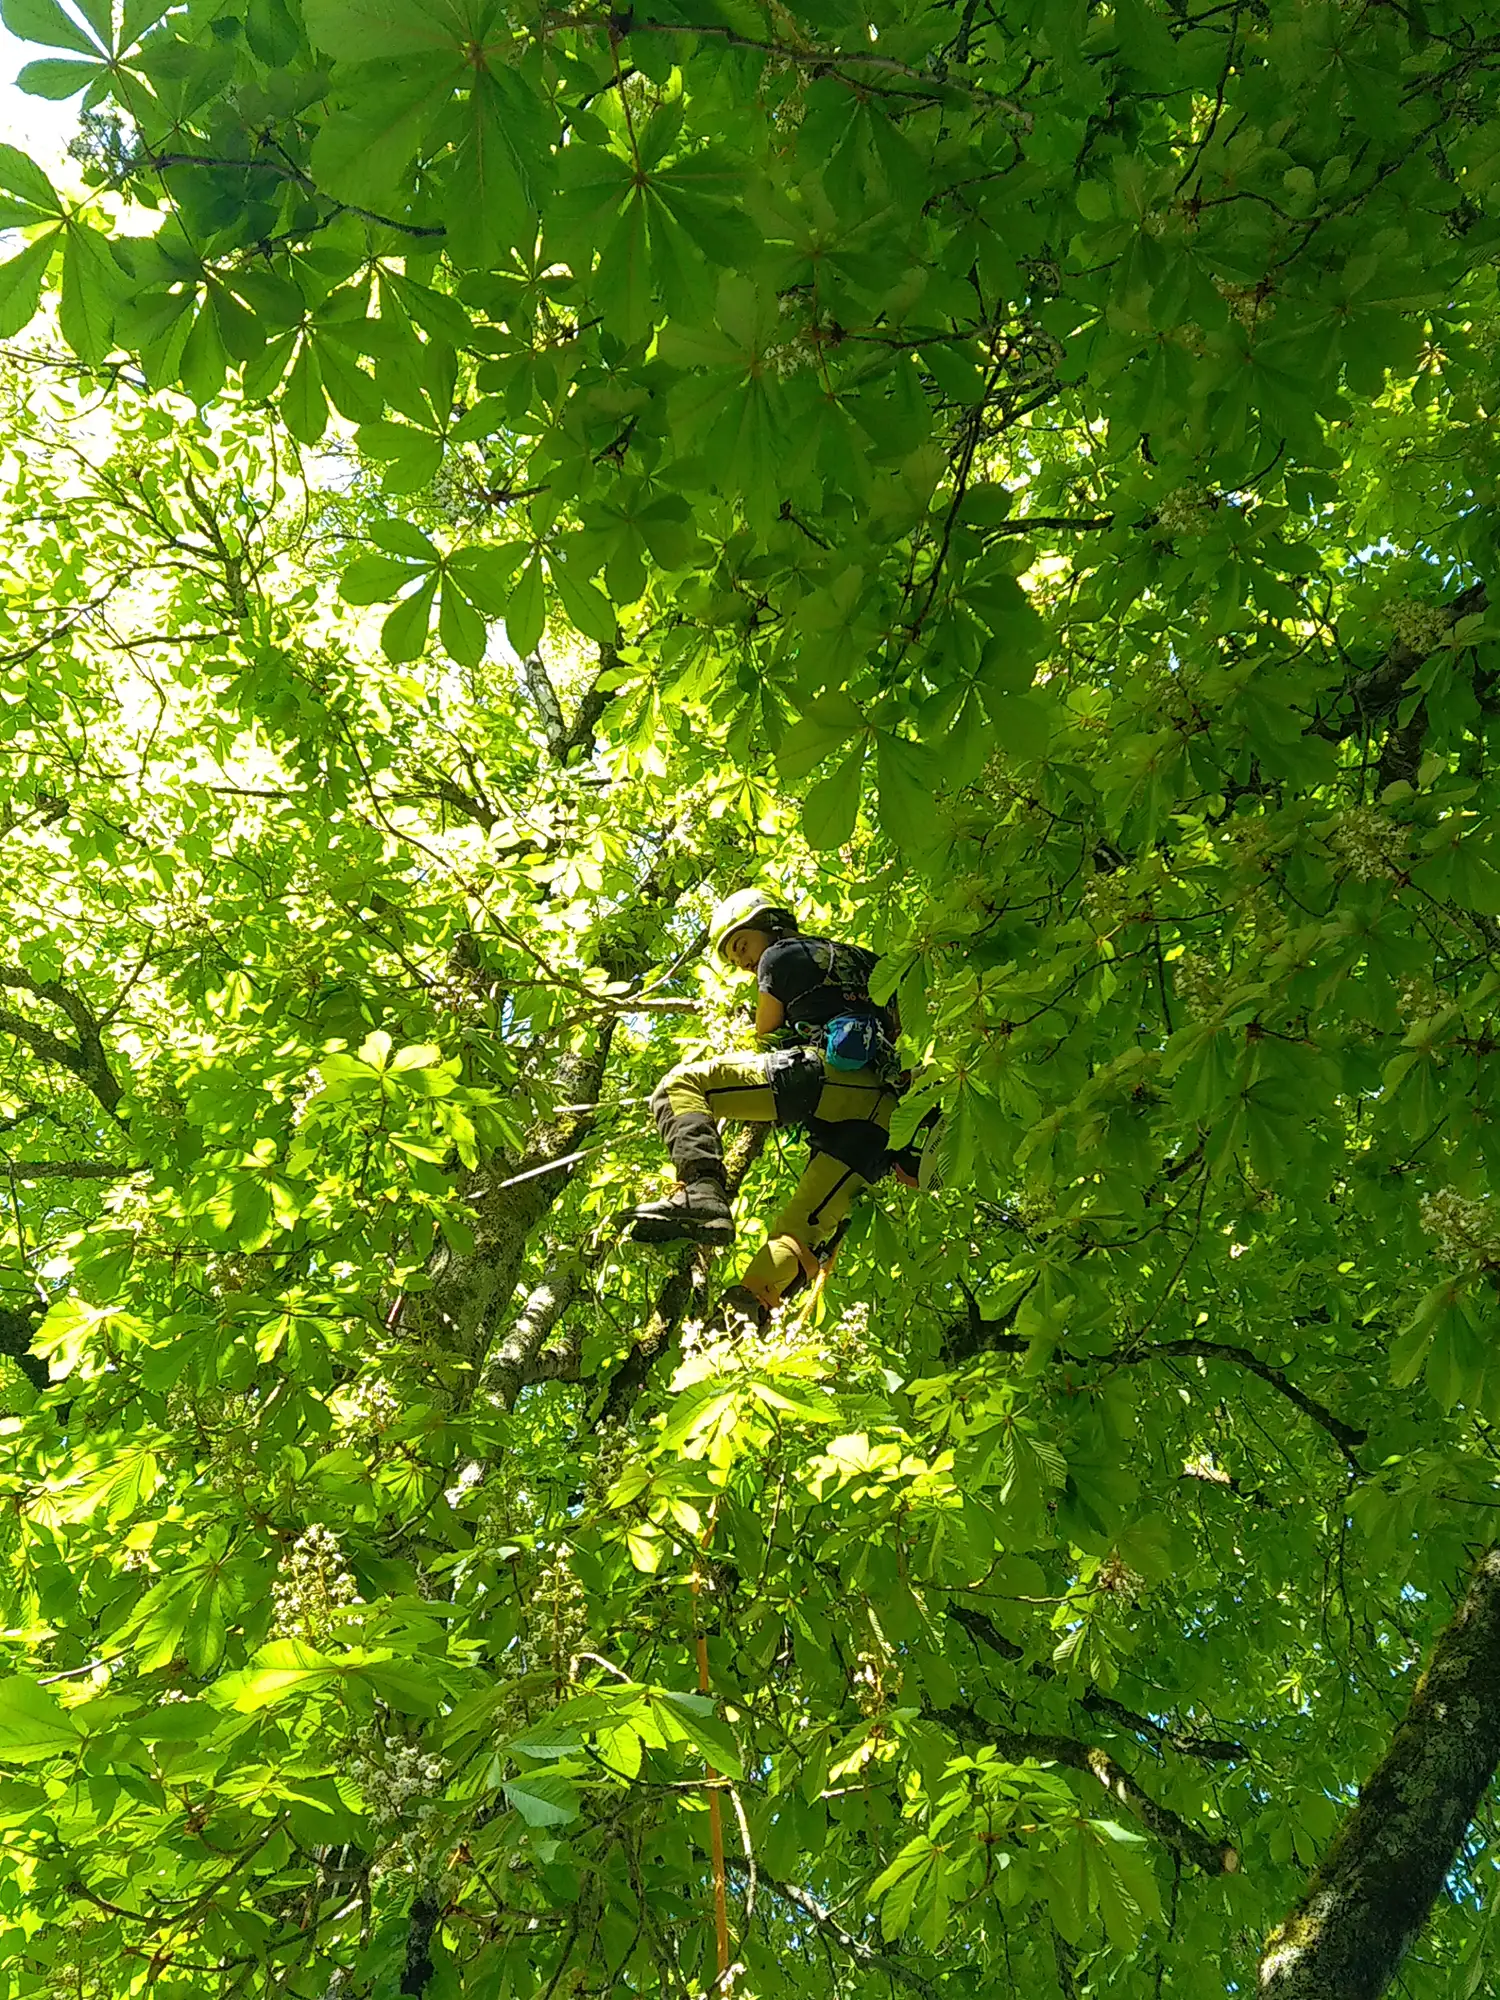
column 1371, row 1896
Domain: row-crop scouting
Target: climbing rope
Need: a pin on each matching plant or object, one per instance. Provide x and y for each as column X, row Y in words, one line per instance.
column 712, row 1779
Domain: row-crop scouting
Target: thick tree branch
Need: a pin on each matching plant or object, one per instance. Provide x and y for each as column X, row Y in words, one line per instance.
column 1371, row 1894
column 672, row 1301
column 539, row 687
column 983, row 1629
column 513, row 1363
column 421, row 1928
column 562, row 1363
column 1346, row 1436
column 579, row 733
column 1375, row 694
column 1213, row 1857
column 1212, row 1749
column 470, row 1292
column 818, row 62
column 84, row 1058
column 972, row 1335
column 71, row 1170
column 1026, row 524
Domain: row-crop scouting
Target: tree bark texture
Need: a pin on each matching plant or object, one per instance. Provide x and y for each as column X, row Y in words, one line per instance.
column 471, row 1293
column 1371, row 1895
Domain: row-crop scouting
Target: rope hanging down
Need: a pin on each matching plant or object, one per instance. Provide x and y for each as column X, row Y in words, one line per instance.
column 712, row 1783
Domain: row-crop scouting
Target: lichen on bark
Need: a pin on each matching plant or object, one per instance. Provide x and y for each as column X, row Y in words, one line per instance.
column 1371, row 1894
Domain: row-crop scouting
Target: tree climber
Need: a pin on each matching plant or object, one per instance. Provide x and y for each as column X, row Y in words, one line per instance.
column 832, row 1069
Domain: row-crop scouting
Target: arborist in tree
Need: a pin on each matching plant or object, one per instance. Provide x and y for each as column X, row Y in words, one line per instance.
column 832, row 1069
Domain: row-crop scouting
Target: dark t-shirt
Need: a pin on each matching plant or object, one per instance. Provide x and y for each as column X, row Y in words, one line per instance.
column 817, row 979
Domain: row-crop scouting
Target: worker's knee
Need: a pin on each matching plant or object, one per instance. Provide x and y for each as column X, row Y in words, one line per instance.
column 661, row 1104
column 680, row 1090
column 778, row 1269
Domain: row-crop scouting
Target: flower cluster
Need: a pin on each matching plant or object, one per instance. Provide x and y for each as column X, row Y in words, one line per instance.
column 468, row 1478
column 1042, row 274
column 313, row 1589
column 1113, row 897
column 607, row 1463
column 1105, row 900
column 105, row 145
column 1252, row 841
column 1198, row 986
column 559, row 1616
column 1464, row 1231
column 1417, row 626
column 1416, row 999
column 1186, row 511
column 366, row 1408
column 870, row 1690
column 1367, row 842
column 848, row 1337
column 399, row 1780
column 1246, row 303
column 1116, row 1578
column 1204, row 1466
column 1033, row 1208
column 797, row 351
column 312, row 1085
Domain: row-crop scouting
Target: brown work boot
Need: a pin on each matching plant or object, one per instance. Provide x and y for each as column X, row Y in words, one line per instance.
column 697, row 1212
column 740, row 1312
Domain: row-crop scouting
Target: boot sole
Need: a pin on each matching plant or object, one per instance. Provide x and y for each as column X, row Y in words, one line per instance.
column 651, row 1230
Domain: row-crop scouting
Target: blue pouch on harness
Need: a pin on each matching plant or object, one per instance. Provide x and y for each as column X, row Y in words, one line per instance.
column 853, row 1041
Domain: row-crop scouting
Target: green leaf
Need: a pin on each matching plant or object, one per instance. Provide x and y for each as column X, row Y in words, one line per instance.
column 1024, row 725
column 542, row 1799
column 366, row 30
column 45, row 21
column 402, row 538
column 278, row 1671
column 304, row 408
column 1094, row 202
column 374, row 579
column 351, row 391
column 985, row 506
column 828, row 723
column 21, row 281
column 56, row 78
column 366, row 145
column 485, row 574
column 526, row 610
column 692, row 1716
column 831, row 807
column 271, row 32
column 403, row 636
column 907, row 783
column 90, row 284
column 647, row 1545
column 202, row 366
column 412, row 456
column 585, row 604
column 460, row 627
column 21, row 176
column 32, row 1724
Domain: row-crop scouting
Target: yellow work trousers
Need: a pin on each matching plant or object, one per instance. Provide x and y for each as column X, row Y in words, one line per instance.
column 690, row 1100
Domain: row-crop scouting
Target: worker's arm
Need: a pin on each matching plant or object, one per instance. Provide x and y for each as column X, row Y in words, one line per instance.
column 770, row 1014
